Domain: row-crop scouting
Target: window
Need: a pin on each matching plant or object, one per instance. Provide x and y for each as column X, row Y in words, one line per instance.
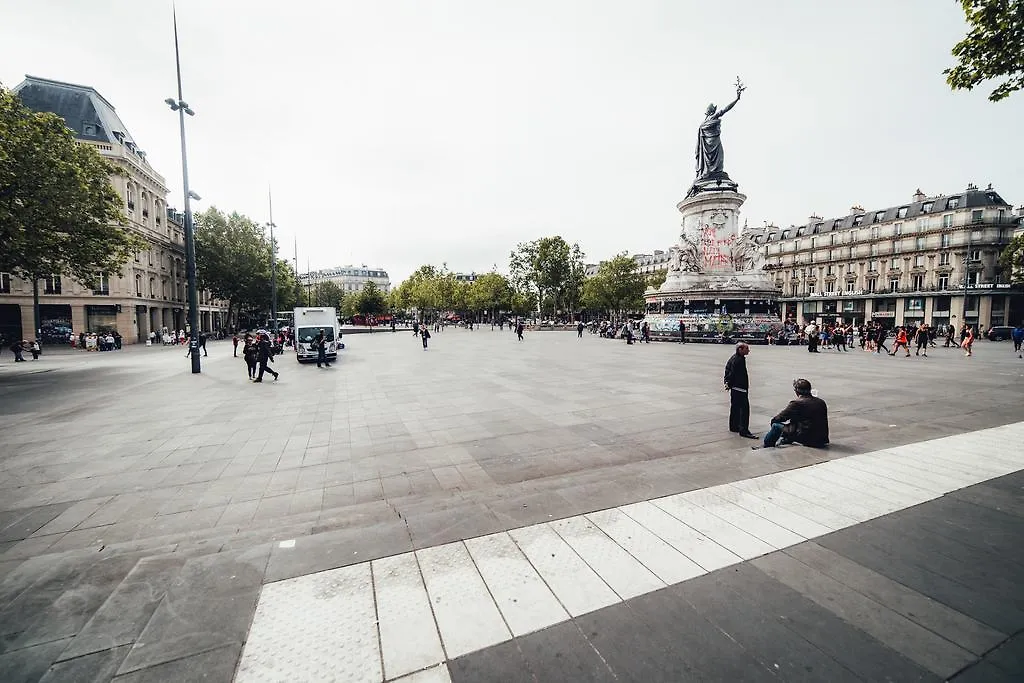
column 152, row 287
column 894, row 284
column 853, row 235
column 101, row 285
column 832, row 239
column 952, row 203
column 138, row 257
column 836, row 223
column 970, row 303
column 879, row 217
column 51, row 285
column 976, row 216
column 850, row 284
column 831, row 270
column 897, row 246
column 130, row 197
column 919, row 243
column 814, row 242
column 972, row 279
column 914, row 304
column 874, row 233
column 944, row 258
column 975, row 255
column 858, row 220
column 138, row 285
column 874, row 250
column 921, row 224
column 926, row 207
column 902, row 212
column 947, row 220
column 946, row 240
column 918, row 283
column 944, row 281
column 830, row 286
column 5, row 283
column 871, row 284
column 872, row 266
column 897, row 229
column 919, row 261
column 796, row 245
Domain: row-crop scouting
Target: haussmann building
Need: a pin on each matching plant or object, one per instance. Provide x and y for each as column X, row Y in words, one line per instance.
column 932, row 259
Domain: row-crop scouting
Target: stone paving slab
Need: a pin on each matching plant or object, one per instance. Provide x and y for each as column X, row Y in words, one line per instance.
column 122, row 453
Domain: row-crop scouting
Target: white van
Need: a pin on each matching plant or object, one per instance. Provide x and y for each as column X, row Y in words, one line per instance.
column 308, row 323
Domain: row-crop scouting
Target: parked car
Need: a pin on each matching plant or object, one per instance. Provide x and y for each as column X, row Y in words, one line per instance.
column 999, row 333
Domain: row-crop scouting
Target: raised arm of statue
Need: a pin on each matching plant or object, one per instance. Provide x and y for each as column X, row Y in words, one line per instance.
column 729, row 106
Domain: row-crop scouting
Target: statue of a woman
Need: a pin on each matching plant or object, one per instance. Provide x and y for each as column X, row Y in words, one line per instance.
column 710, row 155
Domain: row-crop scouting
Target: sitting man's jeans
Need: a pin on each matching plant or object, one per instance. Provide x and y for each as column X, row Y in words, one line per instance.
column 774, row 435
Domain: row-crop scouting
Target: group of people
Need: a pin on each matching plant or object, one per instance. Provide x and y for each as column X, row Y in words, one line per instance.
column 20, row 346
column 257, row 352
column 110, row 340
column 803, row 421
column 873, row 336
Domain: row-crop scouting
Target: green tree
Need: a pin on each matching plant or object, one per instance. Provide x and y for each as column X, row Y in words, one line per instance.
column 993, row 48
column 490, row 292
column 616, row 287
column 371, row 301
column 1011, row 260
column 59, row 212
column 328, row 293
column 657, row 279
column 552, row 268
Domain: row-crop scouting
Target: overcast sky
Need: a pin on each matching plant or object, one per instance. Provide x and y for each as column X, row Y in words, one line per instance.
column 402, row 133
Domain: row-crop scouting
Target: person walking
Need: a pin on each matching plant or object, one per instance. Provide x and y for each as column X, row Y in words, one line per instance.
column 1018, row 338
column 519, row 330
column 234, row 344
column 202, row 343
column 579, row 330
column 901, row 340
column 968, row 342
column 645, row 332
column 950, row 333
column 839, row 334
column 320, row 343
column 738, row 384
column 265, row 354
column 880, row 335
column 812, row 337
column 682, row 332
column 922, row 337
column 250, row 352
column 426, row 336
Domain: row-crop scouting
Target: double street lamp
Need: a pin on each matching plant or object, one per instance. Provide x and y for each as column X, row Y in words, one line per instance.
column 179, row 105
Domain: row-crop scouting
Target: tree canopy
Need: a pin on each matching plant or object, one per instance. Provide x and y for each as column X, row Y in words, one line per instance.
column 233, row 262
column 1012, row 260
column 553, row 269
column 370, row 300
column 992, row 49
column 59, row 212
column 616, row 287
column 434, row 290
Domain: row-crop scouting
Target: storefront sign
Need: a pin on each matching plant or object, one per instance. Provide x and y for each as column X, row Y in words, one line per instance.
column 884, row 314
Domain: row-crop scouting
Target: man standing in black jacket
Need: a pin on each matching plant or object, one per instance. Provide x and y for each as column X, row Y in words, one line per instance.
column 737, row 384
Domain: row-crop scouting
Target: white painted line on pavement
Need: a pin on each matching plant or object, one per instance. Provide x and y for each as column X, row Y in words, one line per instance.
column 440, row 603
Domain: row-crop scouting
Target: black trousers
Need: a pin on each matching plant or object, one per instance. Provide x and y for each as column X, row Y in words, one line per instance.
column 265, row 368
column 251, row 365
column 321, row 357
column 812, row 343
column 739, row 411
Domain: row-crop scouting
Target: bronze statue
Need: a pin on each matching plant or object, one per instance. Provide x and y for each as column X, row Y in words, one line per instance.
column 710, row 155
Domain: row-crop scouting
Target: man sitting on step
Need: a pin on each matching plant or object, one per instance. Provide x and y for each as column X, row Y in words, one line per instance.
column 804, row 421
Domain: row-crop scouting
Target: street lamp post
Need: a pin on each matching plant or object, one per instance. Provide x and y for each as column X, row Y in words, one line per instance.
column 273, row 266
column 182, row 108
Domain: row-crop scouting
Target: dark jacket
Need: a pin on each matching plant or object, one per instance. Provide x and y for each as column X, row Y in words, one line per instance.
column 736, row 372
column 264, row 352
column 808, row 421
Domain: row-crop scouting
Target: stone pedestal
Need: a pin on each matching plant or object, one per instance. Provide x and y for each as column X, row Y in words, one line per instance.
column 716, row 284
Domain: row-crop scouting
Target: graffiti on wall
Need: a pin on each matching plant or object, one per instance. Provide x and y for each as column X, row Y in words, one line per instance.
column 715, row 250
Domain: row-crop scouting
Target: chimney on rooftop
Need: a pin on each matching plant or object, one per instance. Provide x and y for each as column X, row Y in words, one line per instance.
column 856, row 208
column 919, row 196
column 813, row 218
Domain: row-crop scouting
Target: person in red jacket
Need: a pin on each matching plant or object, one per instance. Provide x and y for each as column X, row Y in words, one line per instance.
column 901, row 340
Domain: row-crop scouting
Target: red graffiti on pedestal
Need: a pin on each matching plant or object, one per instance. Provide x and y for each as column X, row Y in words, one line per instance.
column 714, row 250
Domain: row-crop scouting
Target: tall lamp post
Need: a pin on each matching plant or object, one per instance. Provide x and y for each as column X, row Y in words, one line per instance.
column 273, row 265
column 179, row 105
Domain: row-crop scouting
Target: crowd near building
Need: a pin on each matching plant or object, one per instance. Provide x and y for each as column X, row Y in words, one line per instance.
column 352, row 279
column 934, row 259
column 149, row 293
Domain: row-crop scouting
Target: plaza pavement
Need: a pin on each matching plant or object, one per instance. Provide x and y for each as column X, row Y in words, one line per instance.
column 143, row 509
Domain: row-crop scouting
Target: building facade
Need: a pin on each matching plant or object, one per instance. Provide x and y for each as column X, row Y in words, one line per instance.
column 150, row 291
column 932, row 259
column 646, row 264
column 352, row 279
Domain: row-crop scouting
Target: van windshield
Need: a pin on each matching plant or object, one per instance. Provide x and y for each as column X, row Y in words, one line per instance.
column 308, row 334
